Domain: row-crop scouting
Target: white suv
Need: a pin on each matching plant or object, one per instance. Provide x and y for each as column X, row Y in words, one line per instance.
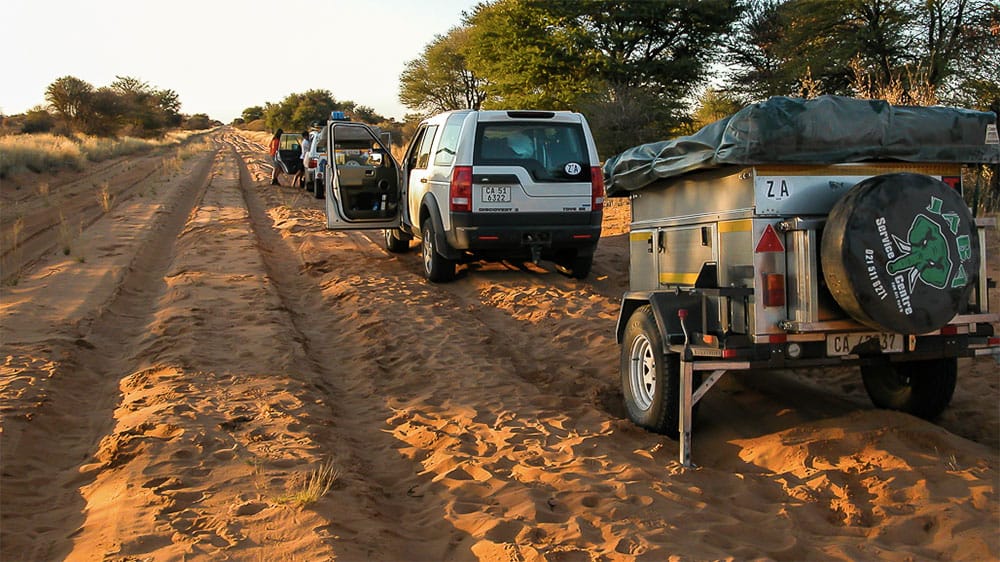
column 476, row 185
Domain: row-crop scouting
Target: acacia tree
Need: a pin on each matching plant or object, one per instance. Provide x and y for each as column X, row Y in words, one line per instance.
column 440, row 79
column 865, row 48
column 627, row 65
column 69, row 96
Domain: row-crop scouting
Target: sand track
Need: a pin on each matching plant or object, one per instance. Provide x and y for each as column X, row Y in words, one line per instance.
column 170, row 397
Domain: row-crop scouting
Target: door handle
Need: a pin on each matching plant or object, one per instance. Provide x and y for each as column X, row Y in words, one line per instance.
column 660, row 235
column 423, row 180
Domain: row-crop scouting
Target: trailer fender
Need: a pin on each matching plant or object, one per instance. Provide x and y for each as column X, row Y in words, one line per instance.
column 665, row 305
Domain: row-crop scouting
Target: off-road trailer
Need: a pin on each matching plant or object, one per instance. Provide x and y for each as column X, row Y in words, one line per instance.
column 760, row 259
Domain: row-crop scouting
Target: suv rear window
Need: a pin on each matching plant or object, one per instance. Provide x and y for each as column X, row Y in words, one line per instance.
column 542, row 149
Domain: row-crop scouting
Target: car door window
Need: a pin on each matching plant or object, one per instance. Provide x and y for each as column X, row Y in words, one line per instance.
column 424, row 153
column 444, row 155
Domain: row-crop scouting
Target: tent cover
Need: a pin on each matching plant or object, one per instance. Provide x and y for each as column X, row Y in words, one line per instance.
column 825, row 130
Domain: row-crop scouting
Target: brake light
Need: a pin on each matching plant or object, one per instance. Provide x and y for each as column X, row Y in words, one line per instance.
column 313, row 162
column 596, row 188
column 774, row 289
column 460, row 192
column 949, row 330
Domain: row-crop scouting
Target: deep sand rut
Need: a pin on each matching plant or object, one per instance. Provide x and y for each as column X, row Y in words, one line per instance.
column 171, row 398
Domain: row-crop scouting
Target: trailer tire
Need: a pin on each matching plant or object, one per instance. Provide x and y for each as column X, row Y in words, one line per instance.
column 921, row 388
column 900, row 253
column 650, row 379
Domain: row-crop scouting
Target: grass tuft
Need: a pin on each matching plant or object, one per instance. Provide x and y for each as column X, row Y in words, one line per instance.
column 319, row 483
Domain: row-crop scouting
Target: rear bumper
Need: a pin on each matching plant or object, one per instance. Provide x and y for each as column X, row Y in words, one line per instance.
column 518, row 233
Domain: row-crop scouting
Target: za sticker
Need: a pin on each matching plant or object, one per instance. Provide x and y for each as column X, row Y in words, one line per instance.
column 573, row 169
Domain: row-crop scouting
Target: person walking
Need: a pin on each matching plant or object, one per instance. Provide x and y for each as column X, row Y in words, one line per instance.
column 275, row 143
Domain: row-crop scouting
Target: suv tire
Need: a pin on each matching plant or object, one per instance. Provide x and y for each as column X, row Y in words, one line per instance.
column 395, row 241
column 317, row 189
column 437, row 268
column 921, row 388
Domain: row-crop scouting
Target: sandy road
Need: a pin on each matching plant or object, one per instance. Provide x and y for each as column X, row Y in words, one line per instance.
column 171, row 397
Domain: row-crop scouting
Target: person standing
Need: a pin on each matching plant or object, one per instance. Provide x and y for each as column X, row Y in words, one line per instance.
column 275, row 143
column 300, row 173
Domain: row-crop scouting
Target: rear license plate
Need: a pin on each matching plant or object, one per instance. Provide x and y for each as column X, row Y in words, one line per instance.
column 843, row 344
column 496, row 194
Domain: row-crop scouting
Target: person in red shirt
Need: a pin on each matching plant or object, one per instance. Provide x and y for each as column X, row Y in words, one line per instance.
column 275, row 141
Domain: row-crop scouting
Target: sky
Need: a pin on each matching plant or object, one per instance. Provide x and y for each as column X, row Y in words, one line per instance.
column 221, row 56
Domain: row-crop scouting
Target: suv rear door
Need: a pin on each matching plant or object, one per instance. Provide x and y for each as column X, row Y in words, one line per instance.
column 362, row 180
column 531, row 162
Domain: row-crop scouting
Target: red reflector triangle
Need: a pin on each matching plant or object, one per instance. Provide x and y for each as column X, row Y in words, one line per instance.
column 769, row 241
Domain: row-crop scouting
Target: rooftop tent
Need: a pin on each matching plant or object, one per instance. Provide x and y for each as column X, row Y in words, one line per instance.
column 825, row 130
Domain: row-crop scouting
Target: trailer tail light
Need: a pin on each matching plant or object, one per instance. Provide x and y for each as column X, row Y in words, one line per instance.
column 313, row 162
column 774, row 289
column 949, row 330
column 596, row 188
column 460, row 192
column 993, row 342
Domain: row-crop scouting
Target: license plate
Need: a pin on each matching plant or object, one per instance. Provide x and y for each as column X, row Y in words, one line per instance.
column 843, row 344
column 496, row 194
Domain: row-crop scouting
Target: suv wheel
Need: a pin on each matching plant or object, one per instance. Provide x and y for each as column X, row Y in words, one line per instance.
column 395, row 241
column 576, row 266
column 437, row 268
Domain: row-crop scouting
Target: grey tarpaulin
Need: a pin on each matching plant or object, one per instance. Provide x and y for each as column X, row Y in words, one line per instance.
column 825, row 130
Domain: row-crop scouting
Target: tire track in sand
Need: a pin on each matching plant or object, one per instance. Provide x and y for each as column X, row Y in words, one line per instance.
column 377, row 511
column 42, row 489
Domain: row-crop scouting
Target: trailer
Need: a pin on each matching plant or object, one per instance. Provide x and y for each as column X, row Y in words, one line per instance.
column 805, row 233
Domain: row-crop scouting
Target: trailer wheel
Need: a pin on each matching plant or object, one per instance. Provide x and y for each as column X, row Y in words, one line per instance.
column 921, row 388
column 650, row 378
column 900, row 253
column 395, row 241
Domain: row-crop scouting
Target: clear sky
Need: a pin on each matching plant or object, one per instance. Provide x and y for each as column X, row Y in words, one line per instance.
column 221, row 56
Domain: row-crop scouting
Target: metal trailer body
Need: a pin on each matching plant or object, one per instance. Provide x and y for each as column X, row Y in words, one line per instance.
column 729, row 261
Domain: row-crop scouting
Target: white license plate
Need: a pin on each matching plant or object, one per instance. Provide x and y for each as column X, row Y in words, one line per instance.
column 496, row 194
column 842, row 344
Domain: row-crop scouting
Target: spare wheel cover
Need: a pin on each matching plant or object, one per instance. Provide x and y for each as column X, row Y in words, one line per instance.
column 900, row 253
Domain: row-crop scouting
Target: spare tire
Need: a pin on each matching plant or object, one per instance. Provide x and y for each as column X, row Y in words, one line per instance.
column 900, row 253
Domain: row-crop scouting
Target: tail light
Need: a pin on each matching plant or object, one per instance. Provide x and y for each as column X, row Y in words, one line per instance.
column 774, row 289
column 313, row 162
column 596, row 188
column 460, row 192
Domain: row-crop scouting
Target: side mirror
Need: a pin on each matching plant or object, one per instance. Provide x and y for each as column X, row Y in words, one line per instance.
column 375, row 159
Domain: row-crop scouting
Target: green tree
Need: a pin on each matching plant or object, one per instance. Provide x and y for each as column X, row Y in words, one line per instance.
column 297, row 111
column 440, row 80
column 253, row 113
column 38, row 120
column 70, row 97
column 627, row 65
column 910, row 50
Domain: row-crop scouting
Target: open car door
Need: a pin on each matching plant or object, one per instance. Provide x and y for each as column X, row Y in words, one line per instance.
column 362, row 179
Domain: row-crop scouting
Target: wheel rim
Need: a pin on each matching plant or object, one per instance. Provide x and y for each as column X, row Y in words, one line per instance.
column 428, row 250
column 642, row 372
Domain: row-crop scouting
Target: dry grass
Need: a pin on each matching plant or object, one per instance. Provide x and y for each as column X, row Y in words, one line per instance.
column 105, row 198
column 47, row 153
column 14, row 243
column 315, row 487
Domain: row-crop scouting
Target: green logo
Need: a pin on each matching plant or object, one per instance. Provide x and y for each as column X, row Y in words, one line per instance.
column 927, row 252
